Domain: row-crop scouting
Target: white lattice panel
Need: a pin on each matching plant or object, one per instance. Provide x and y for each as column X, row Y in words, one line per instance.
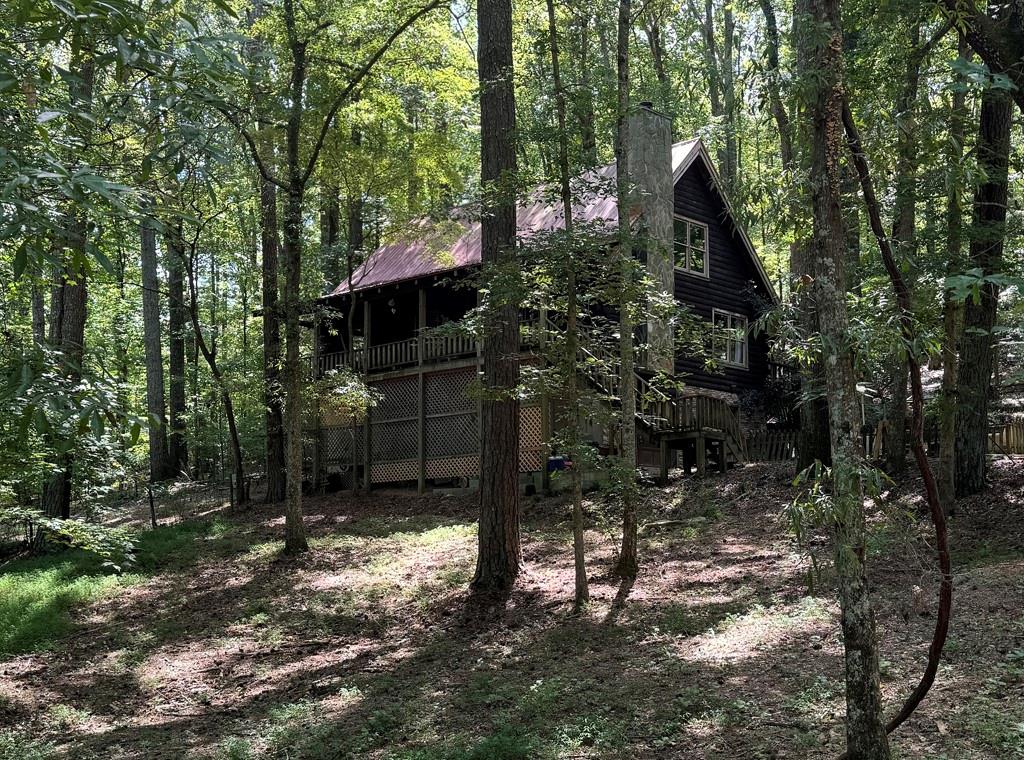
column 457, row 434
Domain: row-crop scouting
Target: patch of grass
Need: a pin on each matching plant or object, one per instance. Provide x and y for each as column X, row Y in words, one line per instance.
column 65, row 717
column 996, row 726
column 39, row 594
column 980, row 555
column 17, row 746
column 818, row 699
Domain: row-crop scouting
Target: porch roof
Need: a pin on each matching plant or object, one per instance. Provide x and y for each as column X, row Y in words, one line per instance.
column 428, row 247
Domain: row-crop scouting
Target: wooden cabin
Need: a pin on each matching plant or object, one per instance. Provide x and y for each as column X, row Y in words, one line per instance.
column 425, row 428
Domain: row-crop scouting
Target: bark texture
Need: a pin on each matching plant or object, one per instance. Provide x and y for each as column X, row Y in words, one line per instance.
column 988, row 232
column 499, row 556
column 153, row 346
column 177, row 444
column 628, row 564
column 820, row 45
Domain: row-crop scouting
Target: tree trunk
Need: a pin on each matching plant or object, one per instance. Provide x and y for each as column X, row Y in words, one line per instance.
column 628, row 564
column 584, row 102
column 952, row 309
column 70, row 295
column 294, row 529
column 273, row 420
column 38, row 315
column 572, row 401
column 499, row 557
column 155, row 404
column 820, row 56
column 988, row 232
column 177, row 446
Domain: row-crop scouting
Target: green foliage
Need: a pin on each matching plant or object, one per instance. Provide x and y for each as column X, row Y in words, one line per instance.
column 39, row 595
column 15, row 745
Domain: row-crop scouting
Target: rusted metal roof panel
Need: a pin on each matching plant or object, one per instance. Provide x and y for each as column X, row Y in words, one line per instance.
column 428, row 247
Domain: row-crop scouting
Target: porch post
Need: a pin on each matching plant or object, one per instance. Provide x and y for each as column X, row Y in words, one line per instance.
column 367, row 434
column 317, row 429
column 421, row 426
column 546, row 421
column 702, row 454
column 664, row 462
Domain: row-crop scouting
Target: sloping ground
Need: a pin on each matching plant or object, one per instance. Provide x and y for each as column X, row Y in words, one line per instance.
column 366, row 648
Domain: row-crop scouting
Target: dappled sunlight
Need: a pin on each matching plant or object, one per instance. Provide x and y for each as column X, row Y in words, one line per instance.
column 364, row 647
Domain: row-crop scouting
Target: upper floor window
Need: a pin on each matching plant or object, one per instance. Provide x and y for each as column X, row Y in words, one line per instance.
column 690, row 246
column 729, row 338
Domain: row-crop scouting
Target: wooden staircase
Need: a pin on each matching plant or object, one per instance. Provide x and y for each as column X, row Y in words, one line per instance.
column 674, row 421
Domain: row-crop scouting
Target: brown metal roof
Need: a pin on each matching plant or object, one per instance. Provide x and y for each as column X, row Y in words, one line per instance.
column 428, row 247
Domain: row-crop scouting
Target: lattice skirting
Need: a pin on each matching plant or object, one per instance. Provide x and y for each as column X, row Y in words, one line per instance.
column 393, row 472
column 453, row 467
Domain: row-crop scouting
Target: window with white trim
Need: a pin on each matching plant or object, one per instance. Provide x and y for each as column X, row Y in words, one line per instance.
column 729, row 338
column 690, row 246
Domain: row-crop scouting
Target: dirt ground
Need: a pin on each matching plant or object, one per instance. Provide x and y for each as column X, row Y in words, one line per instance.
column 726, row 646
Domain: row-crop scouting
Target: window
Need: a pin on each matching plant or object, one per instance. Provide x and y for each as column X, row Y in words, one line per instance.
column 729, row 338
column 690, row 246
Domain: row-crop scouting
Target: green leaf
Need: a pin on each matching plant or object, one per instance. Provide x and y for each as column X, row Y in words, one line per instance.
column 224, row 6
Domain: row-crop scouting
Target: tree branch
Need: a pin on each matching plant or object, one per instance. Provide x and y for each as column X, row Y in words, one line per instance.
column 354, row 82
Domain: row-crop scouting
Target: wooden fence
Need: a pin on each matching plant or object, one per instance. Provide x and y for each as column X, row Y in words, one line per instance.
column 1009, row 439
column 771, row 446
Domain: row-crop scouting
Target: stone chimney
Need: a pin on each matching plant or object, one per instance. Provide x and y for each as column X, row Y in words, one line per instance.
column 650, row 167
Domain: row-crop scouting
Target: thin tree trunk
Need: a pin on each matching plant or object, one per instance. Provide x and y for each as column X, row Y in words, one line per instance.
column 155, row 402
column 499, row 557
column 295, row 531
column 572, row 401
column 627, row 565
column 820, row 54
column 952, row 309
column 908, row 333
column 584, row 102
column 38, row 315
column 988, row 231
column 70, row 295
column 209, row 352
column 273, row 417
column 177, row 445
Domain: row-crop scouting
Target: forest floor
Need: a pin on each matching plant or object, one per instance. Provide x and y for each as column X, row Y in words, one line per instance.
column 726, row 646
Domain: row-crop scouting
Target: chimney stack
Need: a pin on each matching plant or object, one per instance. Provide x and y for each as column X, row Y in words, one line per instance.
column 650, row 168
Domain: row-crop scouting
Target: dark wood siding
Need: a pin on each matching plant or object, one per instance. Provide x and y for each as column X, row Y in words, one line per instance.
column 733, row 284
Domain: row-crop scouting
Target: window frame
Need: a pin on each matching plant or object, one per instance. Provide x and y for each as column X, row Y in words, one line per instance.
column 731, row 315
column 706, row 274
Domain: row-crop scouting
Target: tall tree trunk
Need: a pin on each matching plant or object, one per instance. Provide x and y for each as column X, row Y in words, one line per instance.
column 70, row 295
column 294, row 529
column 820, row 55
column 584, row 102
column 988, row 231
column 903, row 224
column 177, row 445
column 572, row 402
column 952, row 309
column 499, row 557
column 272, row 391
column 155, row 401
column 628, row 564
column 813, row 442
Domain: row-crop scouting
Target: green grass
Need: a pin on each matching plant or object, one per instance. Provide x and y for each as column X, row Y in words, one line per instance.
column 39, row 595
column 17, row 746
